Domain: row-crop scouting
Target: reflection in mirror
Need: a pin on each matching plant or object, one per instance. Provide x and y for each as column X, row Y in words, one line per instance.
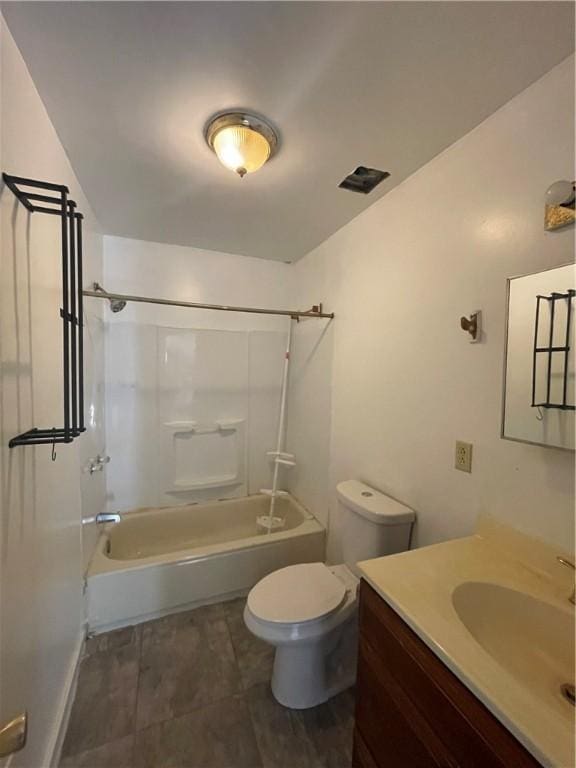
column 539, row 397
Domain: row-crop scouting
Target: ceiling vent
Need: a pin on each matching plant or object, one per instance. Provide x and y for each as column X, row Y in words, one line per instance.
column 363, row 179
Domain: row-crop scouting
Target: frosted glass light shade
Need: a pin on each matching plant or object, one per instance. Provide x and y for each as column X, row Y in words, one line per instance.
column 242, row 141
column 241, row 149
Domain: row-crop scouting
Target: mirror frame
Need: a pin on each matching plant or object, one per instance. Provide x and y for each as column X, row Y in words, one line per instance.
column 503, row 410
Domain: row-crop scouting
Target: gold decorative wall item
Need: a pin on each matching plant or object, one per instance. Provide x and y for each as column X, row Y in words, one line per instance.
column 559, row 209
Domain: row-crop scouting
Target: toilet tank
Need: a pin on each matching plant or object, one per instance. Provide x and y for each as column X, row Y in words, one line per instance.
column 371, row 523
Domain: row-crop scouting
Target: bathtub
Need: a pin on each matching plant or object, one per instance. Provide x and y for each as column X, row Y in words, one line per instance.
column 156, row 561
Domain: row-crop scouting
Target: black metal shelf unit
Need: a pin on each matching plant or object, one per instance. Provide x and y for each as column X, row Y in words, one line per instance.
column 54, row 199
column 551, row 349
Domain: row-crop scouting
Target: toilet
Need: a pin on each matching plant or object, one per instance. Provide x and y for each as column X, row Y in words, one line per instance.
column 309, row 611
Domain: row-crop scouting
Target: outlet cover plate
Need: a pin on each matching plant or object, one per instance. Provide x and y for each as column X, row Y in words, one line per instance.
column 463, row 456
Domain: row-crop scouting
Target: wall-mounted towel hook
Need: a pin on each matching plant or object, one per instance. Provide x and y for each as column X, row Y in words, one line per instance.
column 473, row 325
column 539, row 414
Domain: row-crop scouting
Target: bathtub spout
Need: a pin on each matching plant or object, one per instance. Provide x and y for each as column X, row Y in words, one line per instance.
column 108, row 517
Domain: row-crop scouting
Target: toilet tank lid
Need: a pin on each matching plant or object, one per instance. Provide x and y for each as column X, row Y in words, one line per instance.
column 373, row 504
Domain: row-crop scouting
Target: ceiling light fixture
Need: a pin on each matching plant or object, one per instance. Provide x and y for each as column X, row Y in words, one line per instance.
column 242, row 141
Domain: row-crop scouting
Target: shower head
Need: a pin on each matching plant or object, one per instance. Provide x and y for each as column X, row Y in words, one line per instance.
column 116, row 305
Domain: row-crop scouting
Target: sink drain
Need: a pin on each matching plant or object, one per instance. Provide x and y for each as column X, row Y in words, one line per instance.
column 567, row 690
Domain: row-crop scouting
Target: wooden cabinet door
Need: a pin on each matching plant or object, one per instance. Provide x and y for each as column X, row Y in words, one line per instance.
column 412, row 711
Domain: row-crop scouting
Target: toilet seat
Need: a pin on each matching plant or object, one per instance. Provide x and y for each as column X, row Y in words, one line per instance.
column 297, row 594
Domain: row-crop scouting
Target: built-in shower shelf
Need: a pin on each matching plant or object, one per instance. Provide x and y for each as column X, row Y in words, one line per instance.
column 182, row 426
column 221, row 425
column 204, row 456
column 223, row 481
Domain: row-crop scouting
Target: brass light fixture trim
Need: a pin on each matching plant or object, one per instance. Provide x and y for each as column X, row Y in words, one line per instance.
column 241, row 119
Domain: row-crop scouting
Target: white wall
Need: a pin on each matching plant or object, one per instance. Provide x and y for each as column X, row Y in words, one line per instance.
column 405, row 381
column 191, row 274
column 40, row 504
column 241, row 380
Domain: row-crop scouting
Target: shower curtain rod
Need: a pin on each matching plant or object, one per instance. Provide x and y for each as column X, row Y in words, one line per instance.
column 315, row 311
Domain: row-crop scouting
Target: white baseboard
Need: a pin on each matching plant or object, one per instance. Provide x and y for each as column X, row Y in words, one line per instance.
column 64, row 708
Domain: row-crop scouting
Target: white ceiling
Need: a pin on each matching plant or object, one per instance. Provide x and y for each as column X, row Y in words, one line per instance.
column 129, row 87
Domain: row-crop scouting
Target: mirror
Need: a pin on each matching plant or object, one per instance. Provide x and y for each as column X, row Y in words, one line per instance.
column 538, row 402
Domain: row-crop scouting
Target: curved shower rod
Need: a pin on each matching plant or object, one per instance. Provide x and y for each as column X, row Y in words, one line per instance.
column 99, row 293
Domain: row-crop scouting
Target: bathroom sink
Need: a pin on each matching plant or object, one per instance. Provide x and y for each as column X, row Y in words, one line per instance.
column 531, row 639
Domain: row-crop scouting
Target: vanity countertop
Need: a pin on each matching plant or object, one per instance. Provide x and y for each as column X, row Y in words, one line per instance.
column 419, row 585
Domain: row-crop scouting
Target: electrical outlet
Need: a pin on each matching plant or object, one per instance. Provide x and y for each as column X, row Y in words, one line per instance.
column 463, row 456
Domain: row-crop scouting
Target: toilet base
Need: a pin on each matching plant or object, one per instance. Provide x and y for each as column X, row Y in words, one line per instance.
column 308, row 674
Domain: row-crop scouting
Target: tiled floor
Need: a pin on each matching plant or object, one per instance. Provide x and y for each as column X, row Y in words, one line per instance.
column 192, row 691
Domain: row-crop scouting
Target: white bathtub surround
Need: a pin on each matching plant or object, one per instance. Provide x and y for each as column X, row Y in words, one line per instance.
column 280, row 459
column 191, row 413
column 93, row 442
column 158, row 561
column 169, row 364
column 202, row 413
column 405, row 384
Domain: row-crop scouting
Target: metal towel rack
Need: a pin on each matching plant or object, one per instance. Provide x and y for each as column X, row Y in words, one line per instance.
column 58, row 203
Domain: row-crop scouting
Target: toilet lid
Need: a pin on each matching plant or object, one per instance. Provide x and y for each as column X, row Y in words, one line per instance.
column 297, row 593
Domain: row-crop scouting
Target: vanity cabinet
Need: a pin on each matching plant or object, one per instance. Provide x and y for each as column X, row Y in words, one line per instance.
column 412, row 711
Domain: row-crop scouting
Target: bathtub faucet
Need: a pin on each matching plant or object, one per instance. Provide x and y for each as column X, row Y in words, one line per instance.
column 108, row 517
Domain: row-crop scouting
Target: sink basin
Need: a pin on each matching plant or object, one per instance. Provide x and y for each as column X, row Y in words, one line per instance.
column 531, row 639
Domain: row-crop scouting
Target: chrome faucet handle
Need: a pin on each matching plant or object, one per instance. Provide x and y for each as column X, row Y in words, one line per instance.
column 570, row 564
column 97, row 464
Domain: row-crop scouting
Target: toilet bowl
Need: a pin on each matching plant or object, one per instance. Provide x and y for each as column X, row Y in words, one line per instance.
column 309, row 613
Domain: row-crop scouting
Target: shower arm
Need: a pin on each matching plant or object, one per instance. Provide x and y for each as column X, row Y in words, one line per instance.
column 315, row 311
